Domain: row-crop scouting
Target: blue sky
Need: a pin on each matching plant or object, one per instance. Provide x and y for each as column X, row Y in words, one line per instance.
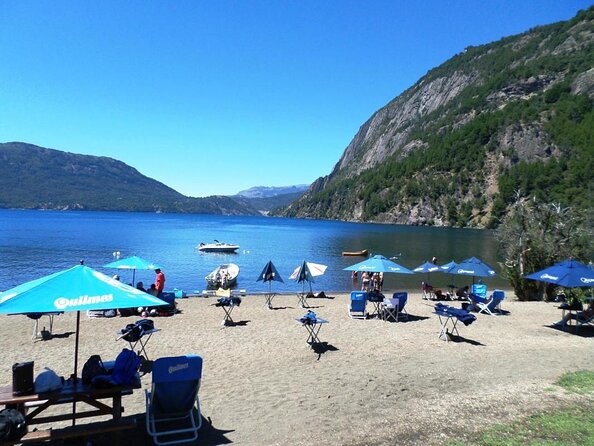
column 212, row 97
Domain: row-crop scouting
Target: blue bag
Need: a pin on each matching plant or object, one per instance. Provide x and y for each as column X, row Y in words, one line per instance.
column 125, row 368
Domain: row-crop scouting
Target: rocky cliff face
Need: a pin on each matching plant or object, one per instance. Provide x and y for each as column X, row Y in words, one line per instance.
column 446, row 151
column 386, row 132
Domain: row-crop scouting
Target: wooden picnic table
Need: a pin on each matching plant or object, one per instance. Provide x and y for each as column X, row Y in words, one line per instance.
column 33, row 406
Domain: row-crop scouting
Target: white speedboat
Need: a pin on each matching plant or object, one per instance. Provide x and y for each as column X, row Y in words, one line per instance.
column 217, row 247
column 223, row 276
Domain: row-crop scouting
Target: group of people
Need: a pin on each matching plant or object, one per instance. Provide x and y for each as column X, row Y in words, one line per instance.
column 155, row 289
column 372, row 282
column 430, row 293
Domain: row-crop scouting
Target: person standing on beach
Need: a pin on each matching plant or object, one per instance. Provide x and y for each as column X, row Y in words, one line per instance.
column 159, row 281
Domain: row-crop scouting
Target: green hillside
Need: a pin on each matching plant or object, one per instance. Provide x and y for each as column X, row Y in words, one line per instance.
column 521, row 119
column 33, row 177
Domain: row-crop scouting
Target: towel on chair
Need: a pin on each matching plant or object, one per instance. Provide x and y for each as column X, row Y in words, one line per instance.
column 228, row 301
column 463, row 316
column 309, row 318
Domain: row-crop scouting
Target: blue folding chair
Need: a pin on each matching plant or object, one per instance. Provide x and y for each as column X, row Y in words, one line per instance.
column 172, row 406
column 402, row 297
column 490, row 304
column 358, row 304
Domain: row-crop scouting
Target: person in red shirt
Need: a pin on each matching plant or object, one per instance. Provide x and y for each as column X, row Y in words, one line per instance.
column 159, row 281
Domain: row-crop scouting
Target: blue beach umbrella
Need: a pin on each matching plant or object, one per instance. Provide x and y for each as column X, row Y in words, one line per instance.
column 569, row 274
column 133, row 263
column 269, row 274
column 472, row 267
column 428, row 268
column 378, row 264
column 448, row 266
column 79, row 288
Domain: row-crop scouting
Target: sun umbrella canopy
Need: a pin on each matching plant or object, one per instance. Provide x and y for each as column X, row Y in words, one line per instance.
column 472, row 267
column 378, row 264
column 79, row 288
column 307, row 271
column 569, row 273
column 448, row 266
column 133, row 262
column 269, row 274
column 426, row 267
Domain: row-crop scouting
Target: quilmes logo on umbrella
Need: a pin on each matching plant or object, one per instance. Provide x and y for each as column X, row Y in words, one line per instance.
column 373, row 268
column 61, row 303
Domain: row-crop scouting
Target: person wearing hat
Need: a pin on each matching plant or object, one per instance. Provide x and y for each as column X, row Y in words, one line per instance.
column 159, row 281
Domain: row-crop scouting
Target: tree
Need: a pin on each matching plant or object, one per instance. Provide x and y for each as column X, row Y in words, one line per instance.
column 534, row 236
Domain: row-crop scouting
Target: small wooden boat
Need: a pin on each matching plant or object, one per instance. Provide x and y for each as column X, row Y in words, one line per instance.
column 217, row 247
column 223, row 276
column 362, row 253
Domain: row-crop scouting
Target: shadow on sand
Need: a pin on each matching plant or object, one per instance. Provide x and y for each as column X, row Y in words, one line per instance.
column 460, row 339
column 322, row 347
column 58, row 336
column 585, row 331
column 208, row 435
column 236, row 324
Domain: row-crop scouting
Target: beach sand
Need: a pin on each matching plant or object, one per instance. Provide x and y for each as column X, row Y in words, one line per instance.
column 372, row 383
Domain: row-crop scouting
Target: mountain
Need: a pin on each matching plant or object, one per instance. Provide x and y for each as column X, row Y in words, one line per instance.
column 270, row 198
column 496, row 122
column 33, row 177
column 272, row 191
column 267, row 204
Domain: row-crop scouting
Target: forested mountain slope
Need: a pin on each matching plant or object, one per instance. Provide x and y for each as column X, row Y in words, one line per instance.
column 33, row 177
column 452, row 150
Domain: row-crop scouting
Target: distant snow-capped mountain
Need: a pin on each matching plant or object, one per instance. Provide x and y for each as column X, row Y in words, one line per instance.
column 272, row 191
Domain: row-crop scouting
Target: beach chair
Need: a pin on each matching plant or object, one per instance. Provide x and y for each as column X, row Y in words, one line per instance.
column 490, row 304
column 42, row 334
column 357, row 305
column 402, row 297
column 172, row 406
column 390, row 309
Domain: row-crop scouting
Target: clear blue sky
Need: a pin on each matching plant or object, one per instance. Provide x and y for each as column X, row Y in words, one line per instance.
column 212, row 97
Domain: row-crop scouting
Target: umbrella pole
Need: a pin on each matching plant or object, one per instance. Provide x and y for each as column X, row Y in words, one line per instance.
column 75, row 365
column 134, row 277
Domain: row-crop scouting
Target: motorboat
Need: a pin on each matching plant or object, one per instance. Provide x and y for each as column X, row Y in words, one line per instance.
column 223, row 276
column 362, row 253
column 217, row 247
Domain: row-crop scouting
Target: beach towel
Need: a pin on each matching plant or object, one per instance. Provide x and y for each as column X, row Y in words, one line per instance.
column 463, row 316
column 309, row 318
column 228, row 301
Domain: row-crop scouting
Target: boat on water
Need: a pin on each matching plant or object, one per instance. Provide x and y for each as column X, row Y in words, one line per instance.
column 223, row 276
column 362, row 253
column 217, row 247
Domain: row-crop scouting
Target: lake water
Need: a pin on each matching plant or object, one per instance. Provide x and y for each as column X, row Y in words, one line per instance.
column 36, row 243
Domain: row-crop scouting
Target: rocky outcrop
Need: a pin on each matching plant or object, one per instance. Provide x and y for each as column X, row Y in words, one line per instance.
column 584, row 83
column 527, row 142
column 386, row 132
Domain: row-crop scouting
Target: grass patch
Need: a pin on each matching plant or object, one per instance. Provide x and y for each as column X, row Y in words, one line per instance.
column 580, row 382
column 571, row 426
column 568, row 427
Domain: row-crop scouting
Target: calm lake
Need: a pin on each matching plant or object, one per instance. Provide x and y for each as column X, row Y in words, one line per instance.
column 36, row 243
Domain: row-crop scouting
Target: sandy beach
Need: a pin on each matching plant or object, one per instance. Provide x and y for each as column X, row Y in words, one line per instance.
column 372, row 383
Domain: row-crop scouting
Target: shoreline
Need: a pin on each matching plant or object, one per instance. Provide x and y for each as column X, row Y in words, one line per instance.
column 374, row 382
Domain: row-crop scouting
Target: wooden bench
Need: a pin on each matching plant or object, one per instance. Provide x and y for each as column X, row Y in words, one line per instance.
column 81, row 430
